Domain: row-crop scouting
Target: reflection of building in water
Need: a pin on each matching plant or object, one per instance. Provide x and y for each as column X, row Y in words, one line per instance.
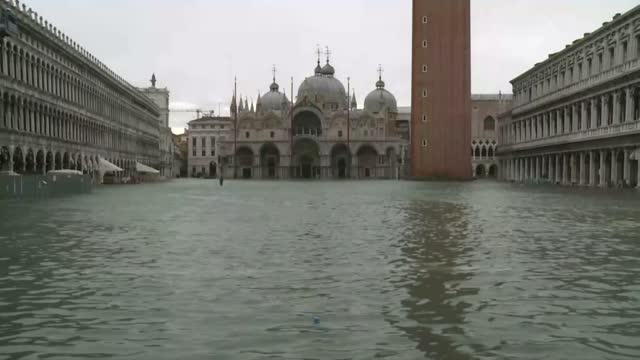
column 434, row 248
column 322, row 134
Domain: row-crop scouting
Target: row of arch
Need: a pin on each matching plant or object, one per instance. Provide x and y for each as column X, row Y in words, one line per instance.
column 306, row 161
column 619, row 106
column 81, row 89
column 25, row 114
column 483, row 151
column 28, row 161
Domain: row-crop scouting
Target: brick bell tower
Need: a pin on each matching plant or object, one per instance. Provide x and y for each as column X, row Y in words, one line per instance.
column 441, row 90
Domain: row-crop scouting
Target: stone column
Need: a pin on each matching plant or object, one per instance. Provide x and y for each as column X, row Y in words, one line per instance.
column 559, row 121
column 573, row 166
column 567, row 120
column 558, row 177
column 544, row 173
column 614, row 168
column 592, row 168
column 522, row 170
column 537, row 164
column 551, row 174
column 583, row 116
column 629, row 110
column 603, row 169
column 605, row 112
column 616, row 108
column 583, row 169
column 11, row 150
column 627, row 167
column 575, row 111
column 527, row 169
column 565, row 167
column 594, row 113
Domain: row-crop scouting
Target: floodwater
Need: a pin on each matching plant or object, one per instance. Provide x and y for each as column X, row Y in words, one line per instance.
column 322, row 270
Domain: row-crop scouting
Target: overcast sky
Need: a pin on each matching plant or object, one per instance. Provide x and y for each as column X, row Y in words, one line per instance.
column 196, row 47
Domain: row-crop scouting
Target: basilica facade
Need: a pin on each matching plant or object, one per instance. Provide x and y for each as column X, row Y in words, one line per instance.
column 321, row 135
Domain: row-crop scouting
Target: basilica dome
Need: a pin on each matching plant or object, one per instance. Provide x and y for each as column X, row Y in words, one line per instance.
column 324, row 87
column 273, row 100
column 380, row 99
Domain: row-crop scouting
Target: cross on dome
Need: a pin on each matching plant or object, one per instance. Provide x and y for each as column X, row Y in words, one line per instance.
column 328, row 53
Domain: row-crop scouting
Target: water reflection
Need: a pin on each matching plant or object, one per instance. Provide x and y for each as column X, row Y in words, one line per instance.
column 434, row 273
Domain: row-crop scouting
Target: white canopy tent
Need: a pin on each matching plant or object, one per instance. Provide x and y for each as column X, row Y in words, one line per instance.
column 106, row 166
column 142, row 168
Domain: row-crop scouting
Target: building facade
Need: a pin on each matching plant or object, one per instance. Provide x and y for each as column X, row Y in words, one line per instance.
column 485, row 110
column 575, row 119
column 61, row 108
column 204, row 137
column 166, row 145
column 441, row 90
column 322, row 135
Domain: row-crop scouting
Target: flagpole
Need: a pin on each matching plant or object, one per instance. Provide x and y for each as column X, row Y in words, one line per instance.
column 235, row 129
column 349, row 123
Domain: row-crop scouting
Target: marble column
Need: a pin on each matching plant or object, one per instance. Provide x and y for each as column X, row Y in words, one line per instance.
column 592, row 169
column 616, row 108
column 565, row 168
column 594, row 113
column 583, row 116
column 537, row 162
column 614, row 168
column 603, row 168
column 558, row 174
column 629, row 110
column 605, row 112
column 583, row 169
column 627, row 168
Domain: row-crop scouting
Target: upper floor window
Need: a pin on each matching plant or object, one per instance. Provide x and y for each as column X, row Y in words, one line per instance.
column 339, row 133
column 579, row 71
column 600, row 66
column 625, row 48
column 247, row 134
column 204, row 142
column 425, row 20
column 489, row 123
column 570, row 78
column 272, row 134
column 612, row 57
column 194, row 142
column 589, row 66
column 213, row 142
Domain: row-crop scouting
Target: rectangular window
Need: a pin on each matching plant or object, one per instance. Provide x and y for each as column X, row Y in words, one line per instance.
column 424, row 93
column 562, row 78
column 612, row 57
column 600, row 65
column 204, row 153
column 589, row 66
column 204, row 142
column 555, row 81
column 580, row 71
column 424, row 117
column 272, row 134
column 424, row 68
column 339, row 133
column 424, row 143
column 570, row 78
column 194, row 153
column 625, row 48
column 425, row 44
column 213, row 142
column 247, row 134
column 424, row 20
column 213, row 153
column 194, row 142
column 193, row 171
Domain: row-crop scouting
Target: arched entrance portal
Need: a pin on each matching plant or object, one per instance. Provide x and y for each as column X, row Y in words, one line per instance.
column 5, row 156
column 306, row 159
column 480, row 171
column 269, row 161
column 307, row 123
column 213, row 169
column 340, row 161
column 493, row 171
column 367, row 161
column 245, row 162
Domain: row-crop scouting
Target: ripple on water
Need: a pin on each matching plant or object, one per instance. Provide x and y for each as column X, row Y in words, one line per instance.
column 390, row 270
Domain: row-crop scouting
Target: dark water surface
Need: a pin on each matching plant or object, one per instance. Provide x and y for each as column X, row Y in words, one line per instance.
column 189, row 270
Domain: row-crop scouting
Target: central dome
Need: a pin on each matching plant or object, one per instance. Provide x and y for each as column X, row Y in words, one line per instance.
column 323, row 87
